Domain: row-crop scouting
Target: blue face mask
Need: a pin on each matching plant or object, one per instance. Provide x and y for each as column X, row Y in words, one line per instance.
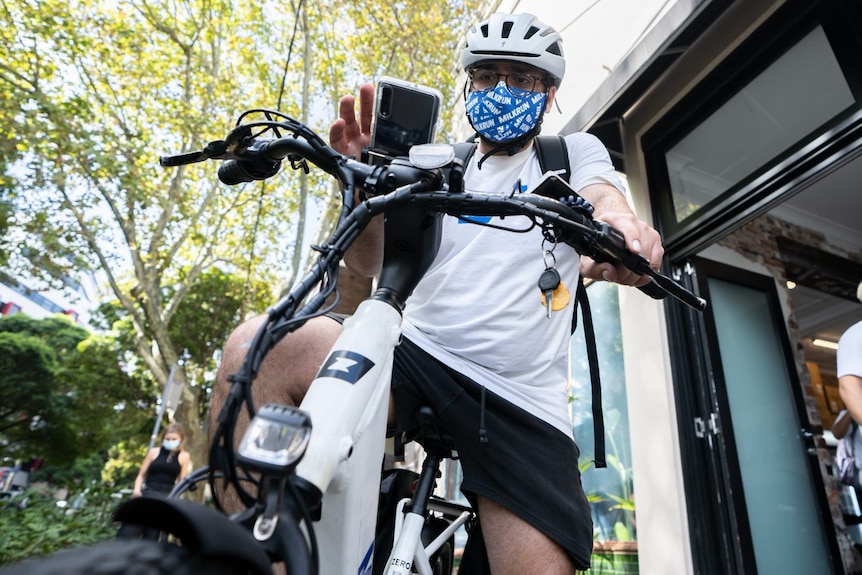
column 500, row 116
column 171, row 444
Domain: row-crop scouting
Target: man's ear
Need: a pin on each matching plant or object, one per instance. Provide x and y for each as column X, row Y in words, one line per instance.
column 552, row 91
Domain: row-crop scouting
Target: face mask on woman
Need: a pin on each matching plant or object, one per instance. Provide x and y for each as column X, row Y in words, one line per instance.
column 171, row 444
column 501, row 116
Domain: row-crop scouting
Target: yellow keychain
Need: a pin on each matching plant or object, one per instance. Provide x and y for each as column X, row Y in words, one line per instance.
column 559, row 298
column 553, row 291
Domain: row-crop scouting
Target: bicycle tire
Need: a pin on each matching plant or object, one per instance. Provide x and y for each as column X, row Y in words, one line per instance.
column 126, row 556
column 444, row 561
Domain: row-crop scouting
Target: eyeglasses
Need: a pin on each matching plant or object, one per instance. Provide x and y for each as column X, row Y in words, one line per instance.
column 485, row 79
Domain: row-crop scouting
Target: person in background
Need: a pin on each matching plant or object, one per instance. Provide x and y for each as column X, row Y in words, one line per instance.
column 848, row 363
column 848, row 360
column 162, row 468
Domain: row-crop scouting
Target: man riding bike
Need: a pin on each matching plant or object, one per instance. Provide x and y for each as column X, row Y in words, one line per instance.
column 478, row 345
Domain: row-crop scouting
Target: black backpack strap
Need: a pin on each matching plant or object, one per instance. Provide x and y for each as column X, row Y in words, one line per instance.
column 464, row 151
column 595, row 378
column 553, row 155
column 455, row 173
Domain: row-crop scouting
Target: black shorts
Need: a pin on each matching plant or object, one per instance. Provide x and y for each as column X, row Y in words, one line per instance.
column 526, row 464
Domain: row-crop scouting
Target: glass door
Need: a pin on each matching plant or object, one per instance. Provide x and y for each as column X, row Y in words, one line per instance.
column 786, row 532
column 749, row 426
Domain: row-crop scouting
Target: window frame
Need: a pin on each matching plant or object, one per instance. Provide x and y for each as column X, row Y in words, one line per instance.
column 765, row 187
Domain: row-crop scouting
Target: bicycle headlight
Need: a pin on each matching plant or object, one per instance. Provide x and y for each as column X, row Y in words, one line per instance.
column 275, row 440
column 430, row 156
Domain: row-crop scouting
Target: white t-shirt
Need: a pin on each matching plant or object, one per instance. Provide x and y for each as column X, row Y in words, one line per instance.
column 849, row 355
column 478, row 309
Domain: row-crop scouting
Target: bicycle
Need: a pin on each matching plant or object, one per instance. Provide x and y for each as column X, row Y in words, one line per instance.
column 299, row 484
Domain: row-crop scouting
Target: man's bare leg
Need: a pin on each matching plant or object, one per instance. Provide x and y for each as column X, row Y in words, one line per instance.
column 287, row 370
column 284, row 376
column 517, row 548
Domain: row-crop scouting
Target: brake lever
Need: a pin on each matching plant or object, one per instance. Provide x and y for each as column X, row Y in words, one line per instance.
column 609, row 246
column 212, row 151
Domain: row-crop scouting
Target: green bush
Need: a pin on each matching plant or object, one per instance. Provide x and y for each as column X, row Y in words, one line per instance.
column 42, row 527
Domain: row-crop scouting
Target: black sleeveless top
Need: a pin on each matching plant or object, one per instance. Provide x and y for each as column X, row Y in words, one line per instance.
column 163, row 471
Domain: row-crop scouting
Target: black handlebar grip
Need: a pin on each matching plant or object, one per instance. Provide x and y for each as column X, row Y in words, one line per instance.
column 653, row 290
column 233, row 172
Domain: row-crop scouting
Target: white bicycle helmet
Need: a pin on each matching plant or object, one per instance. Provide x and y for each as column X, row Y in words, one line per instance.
column 515, row 38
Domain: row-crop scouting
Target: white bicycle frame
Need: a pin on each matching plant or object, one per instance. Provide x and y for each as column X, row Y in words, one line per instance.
column 348, row 404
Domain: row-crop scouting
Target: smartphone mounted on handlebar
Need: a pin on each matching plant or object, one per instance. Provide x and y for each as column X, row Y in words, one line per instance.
column 405, row 114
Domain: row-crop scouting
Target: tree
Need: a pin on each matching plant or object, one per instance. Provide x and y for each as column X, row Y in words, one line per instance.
column 100, row 107
column 5, row 214
column 93, row 91
column 66, row 394
column 211, row 309
column 202, row 323
column 27, row 368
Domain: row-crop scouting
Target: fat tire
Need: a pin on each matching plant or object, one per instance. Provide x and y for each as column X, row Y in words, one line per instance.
column 127, row 557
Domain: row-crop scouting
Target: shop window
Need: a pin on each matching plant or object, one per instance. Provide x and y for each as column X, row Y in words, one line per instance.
column 793, row 98
column 610, row 490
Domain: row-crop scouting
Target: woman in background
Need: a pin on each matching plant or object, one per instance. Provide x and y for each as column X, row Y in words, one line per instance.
column 162, row 468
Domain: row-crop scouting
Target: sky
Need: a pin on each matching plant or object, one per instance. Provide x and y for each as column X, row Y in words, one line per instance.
column 597, row 35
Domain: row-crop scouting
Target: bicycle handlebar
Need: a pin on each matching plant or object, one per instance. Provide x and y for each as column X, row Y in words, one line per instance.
column 248, row 159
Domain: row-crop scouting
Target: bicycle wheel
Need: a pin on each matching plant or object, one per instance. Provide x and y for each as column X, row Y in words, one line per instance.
column 442, row 561
column 130, row 556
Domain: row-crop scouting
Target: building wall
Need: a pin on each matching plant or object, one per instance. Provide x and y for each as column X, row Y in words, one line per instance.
column 663, row 526
column 752, row 247
column 75, row 299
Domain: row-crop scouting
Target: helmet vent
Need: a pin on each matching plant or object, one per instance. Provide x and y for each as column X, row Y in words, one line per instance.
column 531, row 32
column 485, row 30
column 507, row 29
